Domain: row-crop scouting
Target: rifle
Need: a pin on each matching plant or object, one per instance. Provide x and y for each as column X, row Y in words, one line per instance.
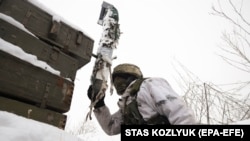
column 102, row 68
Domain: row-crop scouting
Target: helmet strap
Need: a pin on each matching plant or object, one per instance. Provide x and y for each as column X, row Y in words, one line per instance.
column 130, row 79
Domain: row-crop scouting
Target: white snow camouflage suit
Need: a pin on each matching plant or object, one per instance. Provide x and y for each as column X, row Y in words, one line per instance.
column 155, row 97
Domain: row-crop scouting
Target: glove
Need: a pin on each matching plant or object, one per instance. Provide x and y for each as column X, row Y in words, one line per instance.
column 100, row 103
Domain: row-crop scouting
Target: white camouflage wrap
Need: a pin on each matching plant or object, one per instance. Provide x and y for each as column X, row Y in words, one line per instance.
column 103, row 63
column 154, row 97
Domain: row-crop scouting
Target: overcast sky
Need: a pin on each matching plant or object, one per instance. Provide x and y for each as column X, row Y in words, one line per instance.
column 155, row 33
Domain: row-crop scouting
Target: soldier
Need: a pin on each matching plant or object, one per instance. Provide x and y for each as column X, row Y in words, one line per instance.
column 143, row 101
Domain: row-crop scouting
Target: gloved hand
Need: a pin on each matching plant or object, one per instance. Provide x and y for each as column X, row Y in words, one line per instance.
column 100, row 103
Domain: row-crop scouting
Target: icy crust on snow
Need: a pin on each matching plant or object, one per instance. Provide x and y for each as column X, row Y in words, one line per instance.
column 56, row 17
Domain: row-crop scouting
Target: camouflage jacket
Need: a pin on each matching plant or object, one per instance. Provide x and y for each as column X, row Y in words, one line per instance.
column 155, row 97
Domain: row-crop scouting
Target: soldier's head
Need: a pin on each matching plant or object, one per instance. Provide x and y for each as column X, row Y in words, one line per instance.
column 123, row 75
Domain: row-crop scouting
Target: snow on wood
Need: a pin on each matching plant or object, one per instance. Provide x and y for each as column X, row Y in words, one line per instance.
column 15, row 23
column 56, row 17
column 32, row 59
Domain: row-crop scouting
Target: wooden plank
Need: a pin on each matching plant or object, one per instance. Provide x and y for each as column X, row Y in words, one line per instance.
column 33, row 112
column 60, row 34
column 58, row 60
column 23, row 81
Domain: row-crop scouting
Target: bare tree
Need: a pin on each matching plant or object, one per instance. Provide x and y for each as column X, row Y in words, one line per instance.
column 213, row 104
column 223, row 104
column 237, row 42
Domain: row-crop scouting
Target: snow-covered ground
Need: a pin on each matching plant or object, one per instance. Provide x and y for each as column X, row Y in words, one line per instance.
column 17, row 128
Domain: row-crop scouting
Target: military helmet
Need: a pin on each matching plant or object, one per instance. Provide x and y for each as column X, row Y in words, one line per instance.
column 127, row 68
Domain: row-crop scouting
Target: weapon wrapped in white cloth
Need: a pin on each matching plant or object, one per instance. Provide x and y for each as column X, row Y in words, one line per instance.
column 109, row 40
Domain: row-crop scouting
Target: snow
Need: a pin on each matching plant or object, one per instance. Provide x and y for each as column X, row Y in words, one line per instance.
column 32, row 59
column 15, row 23
column 17, row 128
column 18, row 52
column 56, row 17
